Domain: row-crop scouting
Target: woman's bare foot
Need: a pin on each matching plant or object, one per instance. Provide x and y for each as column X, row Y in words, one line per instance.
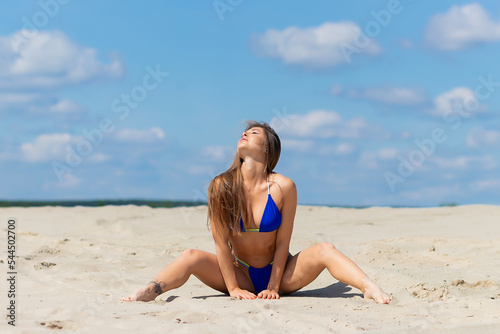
column 146, row 293
column 372, row 291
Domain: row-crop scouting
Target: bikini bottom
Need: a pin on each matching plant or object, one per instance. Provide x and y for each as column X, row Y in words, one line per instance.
column 259, row 276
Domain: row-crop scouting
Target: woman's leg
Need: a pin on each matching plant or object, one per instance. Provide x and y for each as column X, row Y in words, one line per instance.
column 195, row 262
column 304, row 267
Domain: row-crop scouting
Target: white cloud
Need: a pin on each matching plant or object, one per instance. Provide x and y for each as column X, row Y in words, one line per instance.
column 10, row 99
column 317, row 123
column 142, row 136
column 485, row 184
column 55, row 146
column 456, row 99
column 46, row 147
column 218, row 153
column 387, row 153
column 481, row 137
column 65, row 107
column 42, row 104
column 325, row 124
column 432, row 194
column 51, row 59
column 371, row 160
column 344, row 148
column 98, row 157
column 200, row 169
column 38, row 104
column 460, row 162
column 62, row 107
column 340, row 149
column 461, row 27
column 308, row 145
column 68, row 181
column 5, row 154
column 314, row 47
column 368, row 160
column 486, row 162
column 405, row 43
column 390, row 95
column 297, row 144
column 336, row 89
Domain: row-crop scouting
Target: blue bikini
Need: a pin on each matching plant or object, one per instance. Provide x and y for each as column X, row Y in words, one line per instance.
column 270, row 221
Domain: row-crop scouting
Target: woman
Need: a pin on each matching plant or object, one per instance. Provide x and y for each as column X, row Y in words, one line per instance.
column 252, row 258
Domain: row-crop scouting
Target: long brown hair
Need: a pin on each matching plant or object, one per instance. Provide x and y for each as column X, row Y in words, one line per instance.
column 226, row 196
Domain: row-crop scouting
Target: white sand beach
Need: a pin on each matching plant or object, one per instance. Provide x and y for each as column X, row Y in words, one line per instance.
column 441, row 265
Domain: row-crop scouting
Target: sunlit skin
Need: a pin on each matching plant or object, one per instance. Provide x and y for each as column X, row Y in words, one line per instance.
column 258, row 248
column 289, row 273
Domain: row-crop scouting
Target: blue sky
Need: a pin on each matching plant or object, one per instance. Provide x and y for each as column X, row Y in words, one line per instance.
column 376, row 102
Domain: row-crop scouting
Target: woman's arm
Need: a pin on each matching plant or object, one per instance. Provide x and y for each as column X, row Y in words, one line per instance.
column 226, row 259
column 282, row 239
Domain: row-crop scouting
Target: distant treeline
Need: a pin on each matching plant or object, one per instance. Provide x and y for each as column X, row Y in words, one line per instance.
column 150, row 203
column 93, row 203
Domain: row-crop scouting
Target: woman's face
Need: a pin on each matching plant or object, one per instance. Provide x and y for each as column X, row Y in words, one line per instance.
column 252, row 139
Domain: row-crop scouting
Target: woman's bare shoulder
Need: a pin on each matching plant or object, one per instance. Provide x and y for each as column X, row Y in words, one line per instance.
column 284, row 182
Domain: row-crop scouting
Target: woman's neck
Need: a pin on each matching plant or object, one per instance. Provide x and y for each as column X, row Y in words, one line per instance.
column 253, row 173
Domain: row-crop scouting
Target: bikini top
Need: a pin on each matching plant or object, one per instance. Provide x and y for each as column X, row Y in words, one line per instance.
column 271, row 218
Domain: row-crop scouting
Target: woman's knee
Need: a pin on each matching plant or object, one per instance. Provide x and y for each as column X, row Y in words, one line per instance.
column 190, row 255
column 325, row 249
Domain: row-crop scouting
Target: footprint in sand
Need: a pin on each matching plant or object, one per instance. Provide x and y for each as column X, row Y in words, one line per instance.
column 57, row 324
column 475, row 285
column 43, row 265
column 40, row 252
column 52, row 324
column 48, row 250
column 424, row 291
column 26, row 234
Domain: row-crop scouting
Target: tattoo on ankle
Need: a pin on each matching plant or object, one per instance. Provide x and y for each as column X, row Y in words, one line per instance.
column 159, row 285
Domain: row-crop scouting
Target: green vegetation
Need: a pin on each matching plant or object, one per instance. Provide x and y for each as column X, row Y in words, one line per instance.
column 448, row 204
column 93, row 203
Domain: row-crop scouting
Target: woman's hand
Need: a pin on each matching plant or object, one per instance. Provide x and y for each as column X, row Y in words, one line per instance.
column 241, row 294
column 269, row 294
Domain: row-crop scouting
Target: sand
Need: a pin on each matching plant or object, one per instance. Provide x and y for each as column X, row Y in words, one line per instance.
column 441, row 265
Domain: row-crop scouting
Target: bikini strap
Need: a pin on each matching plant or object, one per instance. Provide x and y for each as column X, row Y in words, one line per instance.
column 268, row 185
